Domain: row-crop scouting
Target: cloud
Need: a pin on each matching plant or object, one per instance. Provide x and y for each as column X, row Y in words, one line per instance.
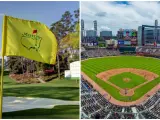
column 104, row 28
column 101, row 14
column 115, row 15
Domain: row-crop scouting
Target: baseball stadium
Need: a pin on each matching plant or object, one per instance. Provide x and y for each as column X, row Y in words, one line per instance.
column 116, row 85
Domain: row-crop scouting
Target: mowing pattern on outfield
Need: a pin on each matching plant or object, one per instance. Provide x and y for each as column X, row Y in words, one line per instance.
column 94, row 66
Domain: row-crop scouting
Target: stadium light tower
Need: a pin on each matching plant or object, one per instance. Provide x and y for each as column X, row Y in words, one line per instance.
column 155, row 32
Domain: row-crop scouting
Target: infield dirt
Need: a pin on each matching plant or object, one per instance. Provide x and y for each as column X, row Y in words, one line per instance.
column 115, row 101
column 144, row 73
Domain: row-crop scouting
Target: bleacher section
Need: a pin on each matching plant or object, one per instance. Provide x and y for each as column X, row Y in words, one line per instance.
column 101, row 52
column 148, row 51
column 95, row 106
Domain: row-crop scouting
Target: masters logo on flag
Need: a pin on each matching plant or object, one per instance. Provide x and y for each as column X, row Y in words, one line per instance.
column 30, row 39
column 33, row 38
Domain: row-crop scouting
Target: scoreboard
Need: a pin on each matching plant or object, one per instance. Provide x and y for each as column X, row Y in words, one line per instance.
column 129, row 34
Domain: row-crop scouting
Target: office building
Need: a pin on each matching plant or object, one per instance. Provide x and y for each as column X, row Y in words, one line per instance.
column 148, row 35
column 106, row 34
column 91, row 33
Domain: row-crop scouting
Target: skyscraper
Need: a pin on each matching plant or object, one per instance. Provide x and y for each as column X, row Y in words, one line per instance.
column 82, row 24
column 95, row 25
column 82, row 28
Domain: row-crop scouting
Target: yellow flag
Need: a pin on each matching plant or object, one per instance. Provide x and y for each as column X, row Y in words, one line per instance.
column 30, row 39
column 72, row 39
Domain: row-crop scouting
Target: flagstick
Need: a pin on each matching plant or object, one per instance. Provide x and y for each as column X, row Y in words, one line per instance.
column 59, row 72
column 22, row 68
column 4, row 34
column 58, row 65
column 1, row 92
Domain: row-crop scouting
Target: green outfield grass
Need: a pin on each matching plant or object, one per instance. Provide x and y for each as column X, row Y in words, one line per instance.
column 133, row 82
column 94, row 66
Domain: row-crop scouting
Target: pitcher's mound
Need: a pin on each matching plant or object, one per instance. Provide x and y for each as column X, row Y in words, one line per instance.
column 127, row 92
column 126, row 79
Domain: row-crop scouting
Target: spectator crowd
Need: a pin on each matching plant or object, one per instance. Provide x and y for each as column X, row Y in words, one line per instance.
column 96, row 106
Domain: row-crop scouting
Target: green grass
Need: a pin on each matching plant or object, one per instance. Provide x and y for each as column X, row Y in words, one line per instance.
column 58, row 112
column 55, row 89
column 94, row 66
column 135, row 80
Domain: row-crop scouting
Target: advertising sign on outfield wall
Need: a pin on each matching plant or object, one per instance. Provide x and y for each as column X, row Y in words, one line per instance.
column 127, row 42
column 121, row 42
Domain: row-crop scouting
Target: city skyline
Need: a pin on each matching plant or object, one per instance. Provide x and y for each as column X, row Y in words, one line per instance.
column 115, row 15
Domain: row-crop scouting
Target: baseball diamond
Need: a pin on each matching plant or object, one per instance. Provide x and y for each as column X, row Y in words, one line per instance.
column 125, row 78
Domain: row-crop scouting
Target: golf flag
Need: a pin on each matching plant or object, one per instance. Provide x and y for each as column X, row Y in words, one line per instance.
column 26, row 38
column 72, row 39
column 30, row 39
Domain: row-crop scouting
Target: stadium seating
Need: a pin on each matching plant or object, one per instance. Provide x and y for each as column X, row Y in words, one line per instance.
column 156, row 109
column 148, row 51
column 101, row 52
column 95, row 106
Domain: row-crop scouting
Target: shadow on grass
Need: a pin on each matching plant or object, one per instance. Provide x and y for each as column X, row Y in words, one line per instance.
column 9, row 83
column 63, row 93
column 5, row 72
column 58, row 112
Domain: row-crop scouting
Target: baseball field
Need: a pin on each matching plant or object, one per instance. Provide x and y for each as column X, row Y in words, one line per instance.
column 125, row 78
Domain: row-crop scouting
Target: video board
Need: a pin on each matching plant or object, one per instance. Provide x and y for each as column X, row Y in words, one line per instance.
column 129, row 34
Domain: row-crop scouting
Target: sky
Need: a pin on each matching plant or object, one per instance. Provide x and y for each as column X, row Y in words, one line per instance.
column 115, row 15
column 45, row 12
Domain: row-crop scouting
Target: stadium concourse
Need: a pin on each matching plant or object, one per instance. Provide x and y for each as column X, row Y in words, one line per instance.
column 95, row 105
